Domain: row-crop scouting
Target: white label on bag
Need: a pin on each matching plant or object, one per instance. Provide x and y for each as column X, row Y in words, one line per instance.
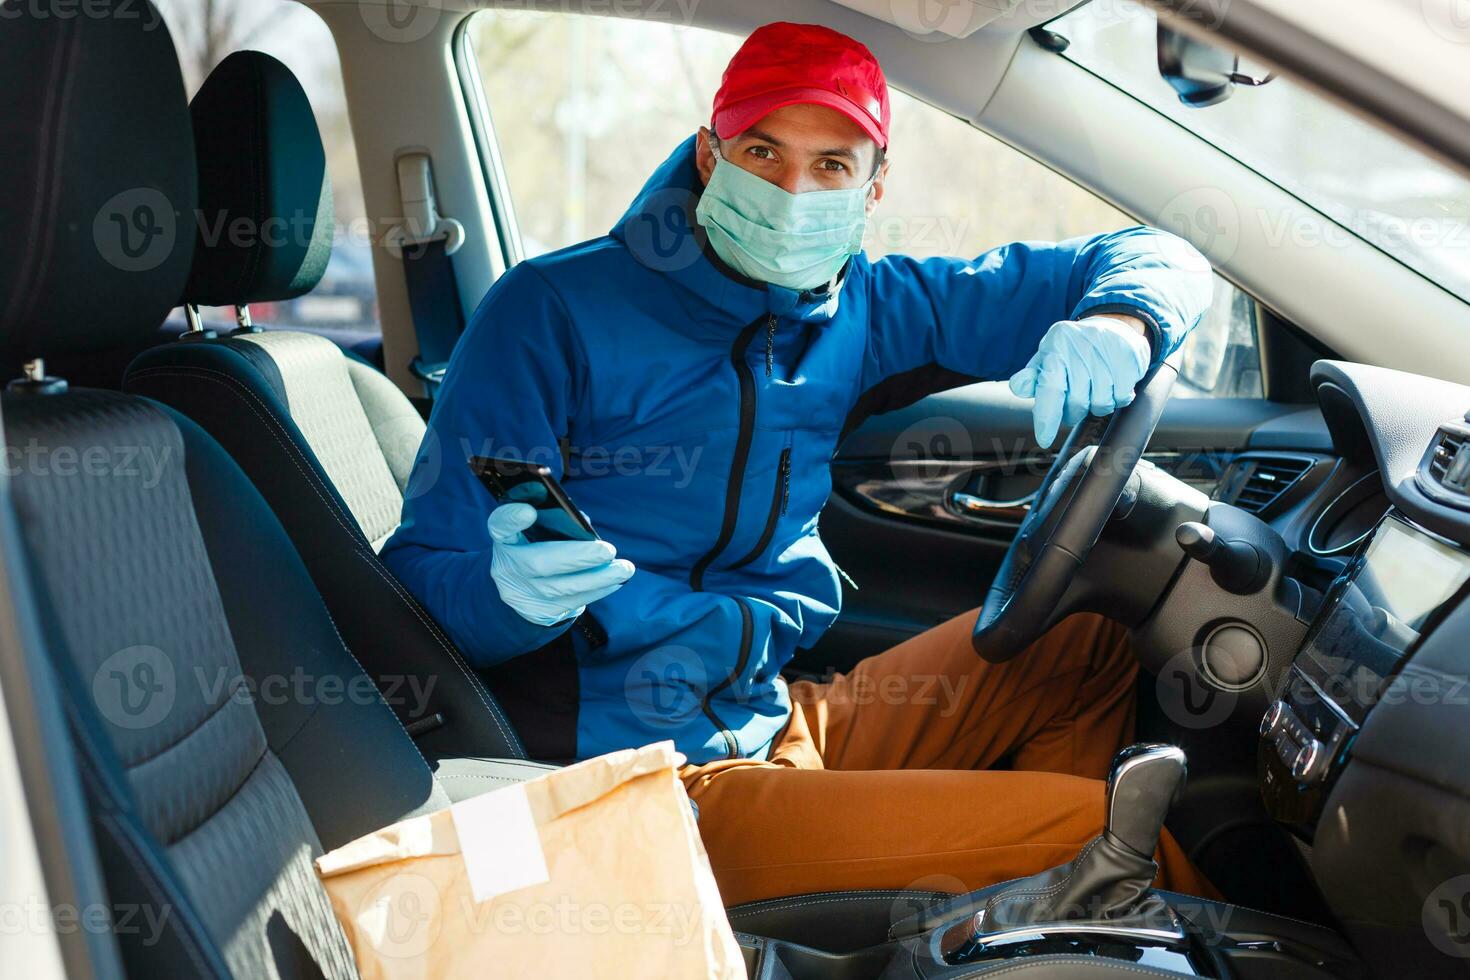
column 499, row 842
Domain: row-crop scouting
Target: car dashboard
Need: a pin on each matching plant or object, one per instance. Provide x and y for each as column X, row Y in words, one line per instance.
column 1364, row 748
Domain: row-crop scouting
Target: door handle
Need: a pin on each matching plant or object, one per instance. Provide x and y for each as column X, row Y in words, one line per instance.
column 925, row 489
column 1011, row 512
column 929, row 491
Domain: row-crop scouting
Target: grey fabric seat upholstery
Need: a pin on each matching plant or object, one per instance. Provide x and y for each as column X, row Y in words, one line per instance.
column 325, row 437
column 226, row 734
column 175, row 630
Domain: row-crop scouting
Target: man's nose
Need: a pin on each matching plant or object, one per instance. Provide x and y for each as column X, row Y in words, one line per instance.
column 794, row 180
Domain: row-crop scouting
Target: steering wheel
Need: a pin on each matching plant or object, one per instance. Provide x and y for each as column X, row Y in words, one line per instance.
column 1081, row 490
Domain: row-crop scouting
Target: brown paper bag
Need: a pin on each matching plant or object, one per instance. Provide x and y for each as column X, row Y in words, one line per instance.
column 596, row 870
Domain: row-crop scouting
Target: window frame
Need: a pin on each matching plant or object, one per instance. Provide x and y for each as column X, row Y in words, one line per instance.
column 487, row 147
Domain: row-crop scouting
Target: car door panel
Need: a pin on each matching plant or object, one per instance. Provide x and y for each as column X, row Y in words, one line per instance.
column 926, row 500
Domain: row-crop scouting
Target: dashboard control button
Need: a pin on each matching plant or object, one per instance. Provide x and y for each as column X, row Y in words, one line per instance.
column 1305, row 767
column 1271, row 720
column 1234, row 656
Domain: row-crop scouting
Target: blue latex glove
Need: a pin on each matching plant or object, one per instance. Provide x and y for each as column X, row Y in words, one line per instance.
column 547, row 582
column 1081, row 366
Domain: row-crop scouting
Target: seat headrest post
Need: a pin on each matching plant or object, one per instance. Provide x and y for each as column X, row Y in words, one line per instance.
column 243, row 323
column 196, row 329
column 35, row 381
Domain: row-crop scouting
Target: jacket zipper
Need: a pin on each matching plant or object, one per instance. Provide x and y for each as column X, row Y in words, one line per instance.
column 770, row 344
column 747, row 631
column 592, row 630
column 732, row 512
column 779, row 499
column 742, row 449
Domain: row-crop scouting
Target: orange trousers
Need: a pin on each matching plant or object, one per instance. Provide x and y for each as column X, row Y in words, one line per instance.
column 884, row 776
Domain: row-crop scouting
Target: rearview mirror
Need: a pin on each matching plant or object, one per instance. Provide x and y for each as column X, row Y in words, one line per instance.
column 1201, row 73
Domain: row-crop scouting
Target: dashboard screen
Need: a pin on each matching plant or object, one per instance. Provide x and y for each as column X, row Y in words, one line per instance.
column 1377, row 611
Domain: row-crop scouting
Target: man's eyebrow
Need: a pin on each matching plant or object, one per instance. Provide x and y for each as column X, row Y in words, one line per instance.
column 760, row 134
column 836, row 151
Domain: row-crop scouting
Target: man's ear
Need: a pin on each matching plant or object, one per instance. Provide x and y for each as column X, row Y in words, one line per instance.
column 877, row 193
column 704, row 157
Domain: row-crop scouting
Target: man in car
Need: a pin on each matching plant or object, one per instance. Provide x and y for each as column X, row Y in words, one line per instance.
column 688, row 377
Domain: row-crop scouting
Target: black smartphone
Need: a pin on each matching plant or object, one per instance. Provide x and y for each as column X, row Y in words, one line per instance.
column 514, row 481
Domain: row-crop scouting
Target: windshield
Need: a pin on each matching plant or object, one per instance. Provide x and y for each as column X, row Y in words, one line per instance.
column 1377, row 187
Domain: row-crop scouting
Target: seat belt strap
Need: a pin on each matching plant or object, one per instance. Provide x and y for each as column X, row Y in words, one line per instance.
column 424, row 241
column 433, row 300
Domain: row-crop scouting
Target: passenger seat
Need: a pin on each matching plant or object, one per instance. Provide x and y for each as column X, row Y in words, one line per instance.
column 172, row 602
column 326, row 438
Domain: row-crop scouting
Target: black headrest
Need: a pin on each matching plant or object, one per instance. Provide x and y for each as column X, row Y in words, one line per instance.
column 96, row 177
column 265, row 202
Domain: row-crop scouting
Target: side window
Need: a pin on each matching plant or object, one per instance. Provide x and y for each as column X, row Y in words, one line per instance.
column 968, row 192
column 585, row 108
column 346, row 300
column 1221, row 356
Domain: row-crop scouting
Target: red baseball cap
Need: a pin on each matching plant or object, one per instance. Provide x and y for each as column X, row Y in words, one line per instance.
column 785, row 64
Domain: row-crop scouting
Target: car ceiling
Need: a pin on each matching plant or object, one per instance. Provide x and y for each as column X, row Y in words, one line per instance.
column 1401, row 58
column 998, row 80
column 958, row 75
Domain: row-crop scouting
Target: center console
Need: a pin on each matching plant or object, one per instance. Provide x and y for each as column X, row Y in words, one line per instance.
column 1400, row 583
column 1221, row 941
column 1096, row 916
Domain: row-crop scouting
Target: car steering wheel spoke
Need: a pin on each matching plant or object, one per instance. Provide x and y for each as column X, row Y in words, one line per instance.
column 1074, row 502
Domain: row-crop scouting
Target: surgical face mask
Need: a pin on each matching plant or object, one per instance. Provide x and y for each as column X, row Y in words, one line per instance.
column 799, row 241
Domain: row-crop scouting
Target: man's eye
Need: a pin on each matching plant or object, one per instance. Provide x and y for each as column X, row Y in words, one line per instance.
column 834, row 166
column 762, row 153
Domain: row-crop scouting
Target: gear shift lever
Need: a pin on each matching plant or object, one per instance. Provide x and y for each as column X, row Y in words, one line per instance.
column 1105, row 891
column 1144, row 782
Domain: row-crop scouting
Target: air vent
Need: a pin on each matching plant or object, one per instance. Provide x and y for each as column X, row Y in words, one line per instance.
column 1449, row 465
column 1444, row 473
column 1255, row 483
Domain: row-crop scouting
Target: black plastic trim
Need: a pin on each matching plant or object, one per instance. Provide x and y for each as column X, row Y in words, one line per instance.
column 487, row 149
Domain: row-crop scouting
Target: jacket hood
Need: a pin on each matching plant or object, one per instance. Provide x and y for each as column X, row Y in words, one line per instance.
column 660, row 231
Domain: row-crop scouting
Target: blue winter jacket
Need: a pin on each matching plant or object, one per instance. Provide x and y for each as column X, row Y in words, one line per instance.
column 692, row 414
